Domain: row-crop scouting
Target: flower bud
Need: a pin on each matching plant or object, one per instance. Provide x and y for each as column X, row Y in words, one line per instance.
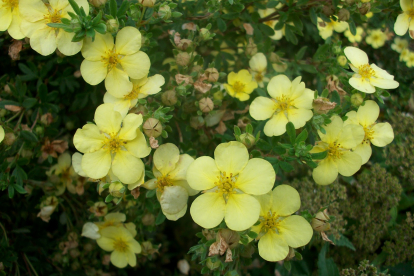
column 197, row 122
column 248, row 140
column 3, row 112
column 147, row 3
column 204, row 139
column 165, row 12
column 99, row 209
column 251, row 48
column 98, row 3
column 152, row 127
column 248, row 251
column 218, row 95
column 342, row 60
column 9, row 139
column 183, row 59
column 204, row 34
column 112, row 25
column 206, row 105
column 184, row 44
column 212, row 265
column 69, row 125
column 148, row 219
column 46, row 119
column 364, row 9
column 357, row 99
column 26, row 153
column 209, row 234
column 280, row 67
column 169, row 98
column 212, row 74
column 116, row 189
column 343, row 15
column 39, row 130
column 320, row 222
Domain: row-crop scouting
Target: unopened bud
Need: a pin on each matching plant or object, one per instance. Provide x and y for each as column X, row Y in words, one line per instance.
column 184, row 44
column 9, row 139
column 26, row 153
column 3, row 112
column 46, row 119
column 197, row 122
column 342, row 61
column 152, row 127
column 169, row 98
column 112, row 25
column 364, row 9
column 206, row 105
column 204, row 34
column 212, row 74
column 218, row 95
column 147, row 3
column 343, row 15
column 357, row 99
column 77, row 74
column 211, row 265
column 116, row 189
column 320, row 221
column 290, row 255
column 280, row 67
column 39, row 130
column 99, row 209
column 248, row 140
column 148, row 219
column 98, row 3
column 183, row 59
column 165, row 12
column 69, row 125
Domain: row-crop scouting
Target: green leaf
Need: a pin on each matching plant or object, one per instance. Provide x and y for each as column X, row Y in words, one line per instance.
column 7, row 102
column 11, row 191
column 352, row 27
column 342, row 241
column 100, row 28
column 109, row 198
column 266, row 29
column 113, row 8
column 286, row 166
column 237, row 131
column 302, row 136
column 322, row 52
column 98, row 18
column 327, row 267
column 20, row 175
column 160, row 218
column 335, row 97
column 252, row 234
column 287, row 265
column 75, row 7
column 150, row 193
column 221, row 24
column 28, row 136
column 20, row 189
column 290, row 129
column 308, row 68
column 301, row 52
column 319, row 155
column 313, row 16
column 176, row 14
column 290, row 36
column 29, row 102
column 123, row 9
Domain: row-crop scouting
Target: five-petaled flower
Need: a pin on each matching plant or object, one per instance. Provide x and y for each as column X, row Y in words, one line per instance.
column 10, row 18
column 240, row 85
column 405, row 20
column 229, row 182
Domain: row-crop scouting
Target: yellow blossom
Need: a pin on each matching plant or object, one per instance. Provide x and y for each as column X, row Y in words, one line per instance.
column 379, row 134
column 279, row 229
column 271, row 23
column 399, row 44
column 405, row 19
column 326, row 28
column 229, row 182
column 291, row 102
column 258, row 66
column 172, row 189
column 405, row 53
column 47, row 207
column 376, row 38
column 240, row 85
column 354, row 38
column 140, row 90
column 10, row 18
column 367, row 76
column 64, row 174
column 122, row 244
column 410, row 60
column 2, row 134
column 44, row 39
column 114, row 143
column 115, row 62
column 338, row 141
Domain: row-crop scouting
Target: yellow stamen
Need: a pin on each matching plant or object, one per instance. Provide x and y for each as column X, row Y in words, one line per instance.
column 259, row 77
column 369, row 133
column 335, row 151
column 366, row 71
column 111, row 59
column 284, row 103
column 226, row 185
column 11, row 4
column 120, row 245
column 162, row 182
column 238, row 87
column 270, row 222
column 54, row 15
column 133, row 94
column 113, row 143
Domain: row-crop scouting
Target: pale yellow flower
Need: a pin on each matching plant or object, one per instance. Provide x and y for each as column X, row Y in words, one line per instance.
column 63, row 174
column 379, row 134
column 354, row 38
column 326, row 28
column 240, row 85
column 405, row 53
column 338, row 141
column 114, row 143
column 229, row 182
column 93, row 230
column 376, row 38
column 2, row 134
column 10, row 18
column 367, row 76
column 271, row 23
column 279, row 229
column 291, row 102
column 122, row 244
column 172, row 189
column 258, row 66
column 410, row 60
column 141, row 89
column 115, row 62
column 405, row 20
column 44, row 39
column 399, row 44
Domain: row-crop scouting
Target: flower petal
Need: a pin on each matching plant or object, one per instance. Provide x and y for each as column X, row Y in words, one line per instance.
column 5, row 18
column 279, row 86
column 272, row 247
column 136, row 65
column 401, row 24
column 166, row 158
column 296, row 231
column 231, row 157
column 96, row 164
column 351, row 136
column 202, row 173
column 286, row 200
column 93, row 72
column 120, row 105
column 107, row 119
column 406, row 4
column 364, row 150
column 153, row 85
column 117, row 83
column 127, row 167
column 91, row 230
column 381, row 73
column 43, row 41
column 262, row 108
column 276, row 126
column 173, row 199
column 242, row 211
column 181, row 166
column 128, row 41
column 383, row 134
column 349, row 163
column 88, row 139
column 65, row 44
column 138, row 147
column 119, row 259
column 77, row 164
column 175, row 216
column 384, row 83
column 333, row 129
column 105, row 243
column 33, row 10
column 361, row 84
column 266, row 202
column 368, row 113
column 208, row 210
column 356, row 56
column 14, row 28
column 326, row 172
column 299, row 117
column 257, row 177
column 184, row 184
column 352, row 118
column 130, row 125
column 258, row 62
column 304, row 100
column 93, row 51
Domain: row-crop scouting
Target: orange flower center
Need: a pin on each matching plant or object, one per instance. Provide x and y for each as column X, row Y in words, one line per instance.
column 366, row 71
column 120, row 245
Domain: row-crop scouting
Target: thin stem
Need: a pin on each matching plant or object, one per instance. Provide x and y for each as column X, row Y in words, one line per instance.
column 14, row 116
column 31, row 266
column 5, row 233
column 142, row 16
column 19, row 121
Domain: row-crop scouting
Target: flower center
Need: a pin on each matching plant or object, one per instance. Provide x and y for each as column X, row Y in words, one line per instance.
column 410, row 13
column 335, row 151
column 120, row 245
column 113, row 143
column 270, row 222
column 369, row 133
column 54, row 15
column 111, row 59
column 366, row 71
column 238, row 87
column 226, row 185
column 11, row 4
column 284, row 102
column 162, row 182
column 259, row 77
column 133, row 94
